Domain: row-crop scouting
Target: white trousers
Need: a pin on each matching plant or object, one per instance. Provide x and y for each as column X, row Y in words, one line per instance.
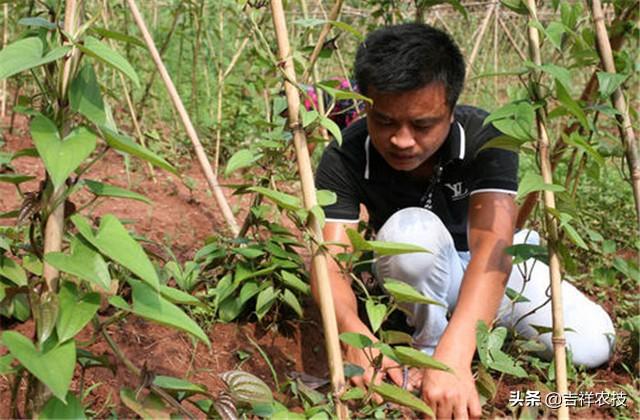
column 438, row 275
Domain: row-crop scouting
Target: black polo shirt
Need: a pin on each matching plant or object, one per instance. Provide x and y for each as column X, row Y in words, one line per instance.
column 357, row 173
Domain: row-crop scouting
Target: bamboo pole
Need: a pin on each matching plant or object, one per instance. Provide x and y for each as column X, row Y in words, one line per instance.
column 5, row 39
column 186, row 121
column 127, row 97
column 333, row 15
column 319, row 260
column 314, row 77
column 483, row 28
column 617, row 98
column 557, row 339
column 54, row 228
column 512, row 41
column 496, row 16
column 590, row 89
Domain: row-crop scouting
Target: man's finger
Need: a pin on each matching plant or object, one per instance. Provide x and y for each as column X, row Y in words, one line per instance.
column 460, row 411
column 475, row 409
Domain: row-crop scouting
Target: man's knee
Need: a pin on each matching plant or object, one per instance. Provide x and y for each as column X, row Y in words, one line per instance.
column 417, row 226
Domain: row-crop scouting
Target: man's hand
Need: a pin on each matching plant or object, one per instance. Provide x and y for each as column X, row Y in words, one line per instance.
column 451, row 394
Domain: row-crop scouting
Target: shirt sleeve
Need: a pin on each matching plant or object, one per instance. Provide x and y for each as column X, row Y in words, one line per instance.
column 494, row 169
column 333, row 175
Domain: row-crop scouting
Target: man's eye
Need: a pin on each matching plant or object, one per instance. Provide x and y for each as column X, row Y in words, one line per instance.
column 384, row 121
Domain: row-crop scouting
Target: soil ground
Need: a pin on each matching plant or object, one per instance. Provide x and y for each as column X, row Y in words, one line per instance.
column 183, row 219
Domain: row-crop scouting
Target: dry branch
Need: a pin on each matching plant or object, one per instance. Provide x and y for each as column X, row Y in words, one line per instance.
column 186, row 121
column 617, row 98
column 333, row 15
column 483, row 28
column 558, row 339
column 319, row 260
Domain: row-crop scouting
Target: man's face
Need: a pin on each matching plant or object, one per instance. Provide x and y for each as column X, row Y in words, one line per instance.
column 408, row 128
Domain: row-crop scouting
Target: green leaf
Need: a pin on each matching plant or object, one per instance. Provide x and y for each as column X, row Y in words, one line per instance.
column 318, row 214
column 37, row 22
column 405, row 293
column 265, row 300
column 376, row 313
column 15, row 179
column 26, row 54
column 396, row 337
column 609, row 82
column 332, row 128
column 532, row 181
column 76, row 311
column 515, row 296
column 85, row 96
column 12, row 271
column 356, row 340
column 515, row 119
column 99, row 50
column 502, row 362
column 577, row 140
column 353, row 394
column 116, row 36
column 283, row 200
column 53, row 367
column 83, row 262
column 45, row 313
column 106, row 190
column 241, row 159
column 61, row 157
column 114, row 241
column 292, row 301
column 308, row 117
column 339, row 94
column 326, row 197
column 523, row 252
column 351, row 370
column 32, row 264
column 348, row 28
column 55, row 409
column 503, row 142
column 149, row 304
column 178, row 297
column 381, row 247
column 555, row 32
column 416, row 358
column 292, row 281
column 401, row 396
column 5, row 365
column 571, row 105
column 151, row 407
column 124, row 144
column 176, row 384
column 561, row 74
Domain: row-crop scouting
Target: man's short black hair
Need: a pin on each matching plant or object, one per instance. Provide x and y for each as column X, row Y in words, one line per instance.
column 404, row 57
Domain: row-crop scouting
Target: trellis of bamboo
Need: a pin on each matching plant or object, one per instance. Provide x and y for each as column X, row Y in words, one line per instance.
column 557, row 339
column 617, row 98
column 319, row 260
column 212, row 180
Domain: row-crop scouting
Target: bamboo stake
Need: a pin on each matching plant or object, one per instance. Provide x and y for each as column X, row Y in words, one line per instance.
column 512, row 41
column 590, row 89
column 483, row 28
column 617, row 98
column 496, row 16
column 163, row 49
column 314, row 77
column 319, row 260
column 5, row 38
column 186, row 121
column 333, row 15
column 127, row 96
column 54, row 228
column 558, row 339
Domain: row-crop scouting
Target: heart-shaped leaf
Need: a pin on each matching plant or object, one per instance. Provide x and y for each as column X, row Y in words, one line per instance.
column 61, row 157
column 102, row 52
column 26, row 54
column 11, row 270
column 76, row 311
column 356, row 340
column 114, row 241
column 125, row 144
column 84, row 263
column 402, row 396
column 46, row 314
column 53, row 367
column 149, row 304
column 106, row 190
column 416, row 358
column 55, row 409
column 376, row 313
column 85, row 96
column 246, row 388
column 405, row 293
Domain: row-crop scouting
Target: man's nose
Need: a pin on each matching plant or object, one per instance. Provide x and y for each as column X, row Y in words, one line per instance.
column 403, row 138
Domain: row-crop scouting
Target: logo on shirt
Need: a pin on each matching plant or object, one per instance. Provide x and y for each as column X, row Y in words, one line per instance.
column 458, row 189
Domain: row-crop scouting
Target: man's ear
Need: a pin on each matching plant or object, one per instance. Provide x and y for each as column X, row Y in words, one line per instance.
column 451, row 117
